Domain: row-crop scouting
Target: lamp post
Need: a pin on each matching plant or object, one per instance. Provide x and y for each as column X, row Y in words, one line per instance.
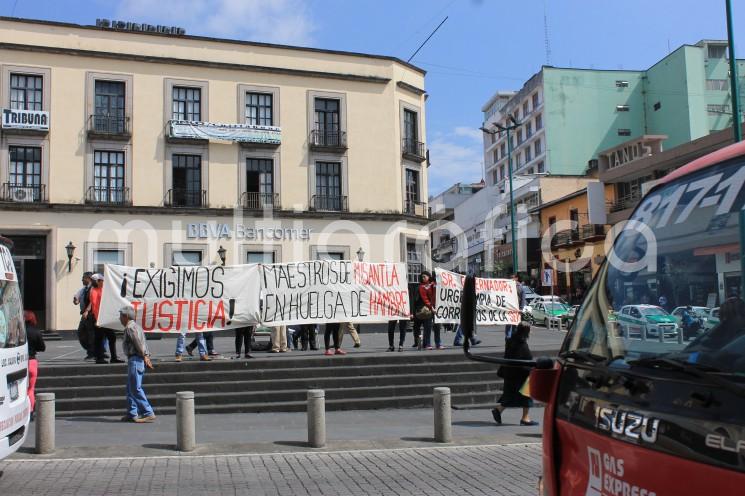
column 70, row 249
column 733, row 82
column 360, row 255
column 221, row 253
column 509, row 129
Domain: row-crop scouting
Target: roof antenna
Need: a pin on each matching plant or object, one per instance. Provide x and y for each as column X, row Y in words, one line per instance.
column 428, row 37
column 546, row 39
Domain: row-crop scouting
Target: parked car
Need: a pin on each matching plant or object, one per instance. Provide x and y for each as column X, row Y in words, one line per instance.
column 638, row 320
column 712, row 320
column 543, row 311
column 530, row 303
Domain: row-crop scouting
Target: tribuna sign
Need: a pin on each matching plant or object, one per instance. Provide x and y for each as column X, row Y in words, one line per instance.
column 25, row 119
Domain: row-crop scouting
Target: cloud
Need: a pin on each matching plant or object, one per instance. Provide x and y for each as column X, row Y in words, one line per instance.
column 454, row 160
column 275, row 21
column 469, row 132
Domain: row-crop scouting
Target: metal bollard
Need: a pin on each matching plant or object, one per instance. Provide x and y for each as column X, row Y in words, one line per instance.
column 443, row 425
column 316, row 418
column 185, row 424
column 45, row 423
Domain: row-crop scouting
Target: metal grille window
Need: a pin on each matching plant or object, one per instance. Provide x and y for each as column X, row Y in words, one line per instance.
column 25, row 92
column 259, row 109
column 414, row 265
column 109, row 106
column 25, row 169
column 187, row 104
column 108, row 176
column 328, row 186
column 187, row 180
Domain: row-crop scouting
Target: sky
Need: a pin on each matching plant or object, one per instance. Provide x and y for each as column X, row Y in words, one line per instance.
column 484, row 46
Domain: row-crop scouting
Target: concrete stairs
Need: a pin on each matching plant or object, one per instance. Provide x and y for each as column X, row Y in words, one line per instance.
column 352, row 382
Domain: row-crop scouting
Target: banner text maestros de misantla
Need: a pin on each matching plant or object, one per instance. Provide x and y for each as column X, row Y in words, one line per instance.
column 496, row 300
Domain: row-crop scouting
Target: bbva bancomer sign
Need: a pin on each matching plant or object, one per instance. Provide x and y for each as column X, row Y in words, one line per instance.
column 215, row 230
column 25, row 119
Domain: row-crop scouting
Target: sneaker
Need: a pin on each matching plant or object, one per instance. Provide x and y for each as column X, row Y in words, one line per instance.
column 328, row 352
column 357, row 345
column 391, row 348
column 340, row 352
column 400, row 348
column 178, row 358
column 116, row 360
column 204, row 358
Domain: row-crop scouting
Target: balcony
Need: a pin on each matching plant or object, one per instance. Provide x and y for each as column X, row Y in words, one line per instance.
column 185, row 198
column 328, row 140
column 565, row 238
column 413, row 150
column 107, row 196
column 252, row 200
column 625, row 202
column 18, row 193
column 329, row 203
column 592, row 232
column 113, row 127
column 418, row 209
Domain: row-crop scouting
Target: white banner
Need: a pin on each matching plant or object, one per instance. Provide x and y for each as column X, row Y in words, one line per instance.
column 25, row 119
column 324, row 291
column 496, row 300
column 244, row 133
column 182, row 299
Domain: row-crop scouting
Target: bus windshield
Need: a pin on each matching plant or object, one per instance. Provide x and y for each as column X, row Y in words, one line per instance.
column 12, row 331
column 681, row 248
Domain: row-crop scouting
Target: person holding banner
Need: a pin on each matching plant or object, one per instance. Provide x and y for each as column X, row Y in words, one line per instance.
column 425, row 312
column 521, row 303
column 331, row 332
column 102, row 334
column 402, row 325
column 514, row 391
column 279, row 339
column 243, row 335
column 201, row 346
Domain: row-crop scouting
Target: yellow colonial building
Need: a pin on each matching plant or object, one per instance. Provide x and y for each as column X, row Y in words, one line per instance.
column 142, row 145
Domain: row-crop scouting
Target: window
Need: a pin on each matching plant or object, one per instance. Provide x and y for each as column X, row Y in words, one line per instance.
column 187, row 181
column 259, row 109
column 657, row 106
column 414, row 265
column 187, row 104
column 108, row 177
column 494, row 176
column 538, row 122
column 412, row 190
column 528, row 156
column 717, row 84
column 109, row 107
column 518, row 159
column 503, row 149
column 622, row 108
column 717, row 109
column 25, row 92
column 502, row 173
column 410, row 125
column 624, row 132
column 540, row 167
column 259, row 182
column 495, row 156
column 329, row 255
column 536, row 102
column 717, row 51
column 260, row 257
column 24, row 172
column 519, row 136
column 622, row 84
column 327, row 122
column 537, row 147
column 186, row 257
column 529, row 129
column 107, row 256
column 328, row 186
column 525, row 109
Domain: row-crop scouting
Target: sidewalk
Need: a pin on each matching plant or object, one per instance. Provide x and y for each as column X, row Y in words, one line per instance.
column 106, row 437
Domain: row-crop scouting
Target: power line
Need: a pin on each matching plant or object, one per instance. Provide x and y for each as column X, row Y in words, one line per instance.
column 13, row 10
column 428, row 37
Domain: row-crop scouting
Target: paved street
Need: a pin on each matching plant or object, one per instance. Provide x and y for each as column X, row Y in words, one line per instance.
column 485, row 469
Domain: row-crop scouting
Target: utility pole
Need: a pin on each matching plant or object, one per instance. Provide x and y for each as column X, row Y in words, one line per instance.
column 733, row 83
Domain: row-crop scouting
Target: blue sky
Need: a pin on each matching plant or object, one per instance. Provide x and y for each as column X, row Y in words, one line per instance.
column 485, row 46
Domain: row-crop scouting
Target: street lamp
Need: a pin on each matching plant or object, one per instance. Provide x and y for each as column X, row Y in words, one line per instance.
column 508, row 129
column 70, row 249
column 361, row 255
column 221, row 253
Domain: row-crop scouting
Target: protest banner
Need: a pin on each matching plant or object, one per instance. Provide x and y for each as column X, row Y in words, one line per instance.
column 496, row 300
column 325, row 291
column 182, row 299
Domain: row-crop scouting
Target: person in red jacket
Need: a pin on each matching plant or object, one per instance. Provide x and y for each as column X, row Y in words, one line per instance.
column 426, row 300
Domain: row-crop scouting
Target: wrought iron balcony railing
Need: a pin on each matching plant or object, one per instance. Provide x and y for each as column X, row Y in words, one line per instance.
column 329, row 203
column 323, row 139
column 184, row 197
column 109, row 125
column 416, row 208
column 592, row 231
column 98, row 195
column 19, row 193
column 413, row 149
column 258, row 201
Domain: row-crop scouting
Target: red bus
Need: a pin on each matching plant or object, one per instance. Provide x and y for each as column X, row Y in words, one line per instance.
column 637, row 403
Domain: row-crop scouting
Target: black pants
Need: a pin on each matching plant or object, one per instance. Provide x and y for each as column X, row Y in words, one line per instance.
column 428, row 325
column 107, row 334
column 209, row 338
column 87, row 335
column 402, row 326
column 243, row 335
column 308, row 337
column 331, row 332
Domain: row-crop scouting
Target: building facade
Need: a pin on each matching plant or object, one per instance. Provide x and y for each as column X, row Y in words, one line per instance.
column 154, row 149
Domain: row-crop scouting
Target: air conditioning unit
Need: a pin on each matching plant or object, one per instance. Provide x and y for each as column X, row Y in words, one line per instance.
column 25, row 195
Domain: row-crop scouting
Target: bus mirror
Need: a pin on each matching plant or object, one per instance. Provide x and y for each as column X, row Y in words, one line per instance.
column 468, row 308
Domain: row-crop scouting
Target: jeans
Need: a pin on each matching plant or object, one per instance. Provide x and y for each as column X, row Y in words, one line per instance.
column 201, row 345
column 136, row 399
column 459, row 337
column 209, row 339
column 427, row 331
column 402, row 325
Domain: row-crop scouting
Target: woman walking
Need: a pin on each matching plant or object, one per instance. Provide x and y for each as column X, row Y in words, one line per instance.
column 515, row 377
column 35, row 345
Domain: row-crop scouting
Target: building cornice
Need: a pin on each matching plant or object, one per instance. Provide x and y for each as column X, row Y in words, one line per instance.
column 76, row 52
column 411, row 88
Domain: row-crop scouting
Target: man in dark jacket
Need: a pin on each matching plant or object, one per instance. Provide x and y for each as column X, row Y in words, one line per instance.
column 86, row 333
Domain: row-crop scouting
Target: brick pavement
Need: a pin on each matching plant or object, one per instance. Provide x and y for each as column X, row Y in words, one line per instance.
column 510, row 469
